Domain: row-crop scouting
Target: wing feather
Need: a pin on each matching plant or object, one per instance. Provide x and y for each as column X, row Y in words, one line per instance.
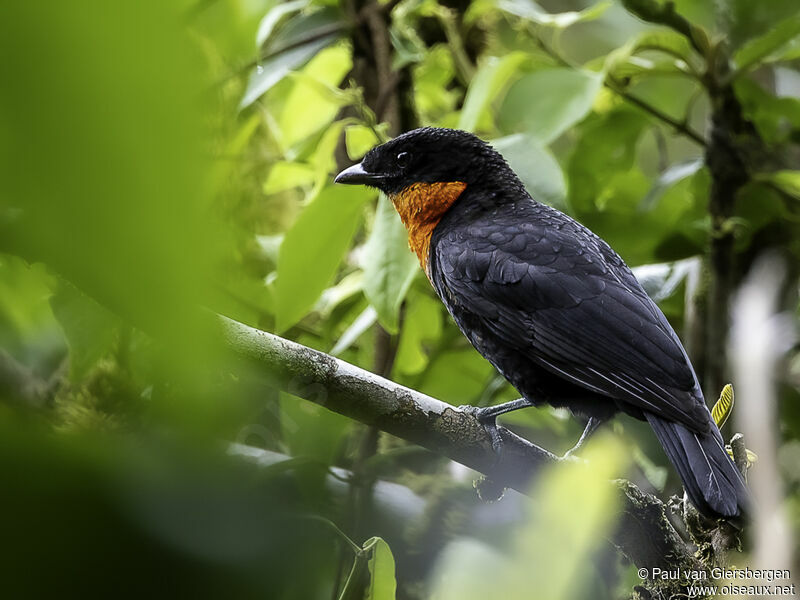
column 550, row 289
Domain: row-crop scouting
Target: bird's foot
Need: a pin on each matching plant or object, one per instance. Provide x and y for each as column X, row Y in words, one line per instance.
column 488, row 418
column 591, row 427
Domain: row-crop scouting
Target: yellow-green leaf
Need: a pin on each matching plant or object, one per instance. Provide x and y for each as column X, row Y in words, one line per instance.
column 382, row 583
column 313, row 248
column 724, row 406
column 389, row 265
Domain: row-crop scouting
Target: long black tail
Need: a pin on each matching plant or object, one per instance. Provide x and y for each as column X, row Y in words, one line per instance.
column 711, row 480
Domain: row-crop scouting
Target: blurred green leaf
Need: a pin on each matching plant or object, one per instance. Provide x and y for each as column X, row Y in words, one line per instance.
column 314, row 95
column 274, row 17
column 285, row 175
column 359, row 139
column 269, row 72
column 606, row 145
column 492, row 76
column 473, row 372
column 669, row 177
column 744, row 20
column 546, row 103
column 382, row 583
column 90, row 329
column 324, row 153
column 362, row 323
column 570, row 513
column 313, row 248
column 777, row 119
column 788, row 181
column 422, row 323
column 389, row 265
column 350, row 285
column 110, row 181
column 434, row 96
column 536, row 166
column 25, row 314
column 530, row 10
column 309, row 430
column 320, row 20
column 661, row 280
column 627, row 62
column 761, row 47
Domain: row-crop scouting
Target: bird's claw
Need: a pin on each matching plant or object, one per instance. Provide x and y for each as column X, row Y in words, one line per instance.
column 489, row 422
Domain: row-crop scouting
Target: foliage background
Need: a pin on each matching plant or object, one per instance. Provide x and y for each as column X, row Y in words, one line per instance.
column 160, row 157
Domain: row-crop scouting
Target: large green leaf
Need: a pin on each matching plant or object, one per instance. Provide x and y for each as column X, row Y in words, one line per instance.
column 382, row 582
column 275, row 16
column 788, row 181
column 546, row 103
column 111, row 180
column 761, row 47
column 492, row 76
column 389, row 265
column 89, row 328
column 313, row 248
column 315, row 95
column 422, row 323
column 530, row 10
column 265, row 75
column 536, row 166
column 606, row 145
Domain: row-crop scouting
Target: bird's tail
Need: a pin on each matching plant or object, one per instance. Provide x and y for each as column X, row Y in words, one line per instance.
column 710, row 478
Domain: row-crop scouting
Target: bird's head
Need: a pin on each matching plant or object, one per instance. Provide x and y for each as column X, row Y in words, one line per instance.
column 424, row 156
column 425, row 171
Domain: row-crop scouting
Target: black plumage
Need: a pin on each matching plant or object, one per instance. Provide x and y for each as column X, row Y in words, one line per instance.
column 554, row 308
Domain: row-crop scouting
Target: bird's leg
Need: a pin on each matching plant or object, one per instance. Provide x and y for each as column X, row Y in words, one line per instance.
column 591, row 427
column 487, row 415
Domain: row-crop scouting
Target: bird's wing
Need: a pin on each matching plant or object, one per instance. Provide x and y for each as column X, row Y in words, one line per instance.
column 552, row 290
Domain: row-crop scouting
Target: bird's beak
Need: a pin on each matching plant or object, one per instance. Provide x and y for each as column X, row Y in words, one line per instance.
column 356, row 175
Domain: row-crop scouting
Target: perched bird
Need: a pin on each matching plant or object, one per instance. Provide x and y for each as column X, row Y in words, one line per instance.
column 548, row 303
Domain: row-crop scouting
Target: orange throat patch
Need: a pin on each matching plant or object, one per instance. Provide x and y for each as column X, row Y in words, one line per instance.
column 421, row 206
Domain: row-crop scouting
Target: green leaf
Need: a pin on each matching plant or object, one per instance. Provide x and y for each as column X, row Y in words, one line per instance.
column 761, row 47
column 776, row 118
column 422, row 323
column 363, row 322
column 274, row 16
column 536, row 166
column 89, row 328
column 547, row 103
column 324, row 159
column 788, row 181
column 389, row 265
column 265, row 75
column 286, row 175
column 625, row 62
column 314, row 98
column 492, row 76
column 661, row 280
column 359, row 139
column 527, row 9
column 433, row 95
column 668, row 178
column 606, row 145
column 382, row 583
column 310, row 430
column 313, row 248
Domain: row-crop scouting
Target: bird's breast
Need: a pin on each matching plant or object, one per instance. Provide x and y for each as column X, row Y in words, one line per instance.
column 421, row 206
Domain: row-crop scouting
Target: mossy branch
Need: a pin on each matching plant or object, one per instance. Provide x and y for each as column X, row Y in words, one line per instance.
column 645, row 534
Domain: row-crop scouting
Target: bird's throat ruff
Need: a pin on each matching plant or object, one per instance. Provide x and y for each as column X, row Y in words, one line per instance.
column 421, row 206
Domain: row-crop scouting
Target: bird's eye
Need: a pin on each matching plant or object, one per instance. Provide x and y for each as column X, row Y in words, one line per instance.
column 403, row 159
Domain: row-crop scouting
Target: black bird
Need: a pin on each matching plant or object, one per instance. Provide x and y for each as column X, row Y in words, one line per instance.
column 548, row 303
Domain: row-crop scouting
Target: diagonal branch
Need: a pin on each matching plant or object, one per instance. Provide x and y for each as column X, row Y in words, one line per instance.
column 645, row 534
